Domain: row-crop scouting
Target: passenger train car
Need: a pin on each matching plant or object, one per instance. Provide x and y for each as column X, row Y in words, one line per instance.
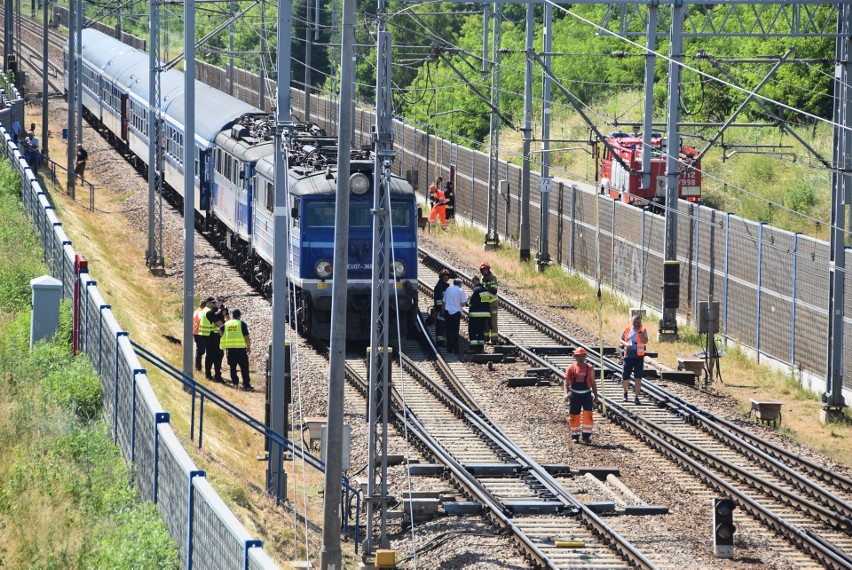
column 234, row 188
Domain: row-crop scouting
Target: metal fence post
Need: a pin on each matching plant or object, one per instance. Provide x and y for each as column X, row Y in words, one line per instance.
column 115, row 388
column 84, row 345
column 727, row 262
column 759, row 276
column 793, row 304
column 159, row 418
column 571, row 229
column 246, row 546
column 189, row 517
column 696, row 225
column 133, row 413
column 559, row 223
column 612, row 248
column 472, row 183
column 101, row 335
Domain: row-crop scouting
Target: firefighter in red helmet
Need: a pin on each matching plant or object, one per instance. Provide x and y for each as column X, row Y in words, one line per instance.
column 489, row 281
column 581, row 394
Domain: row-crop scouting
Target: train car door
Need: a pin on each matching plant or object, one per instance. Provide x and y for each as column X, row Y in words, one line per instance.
column 124, row 118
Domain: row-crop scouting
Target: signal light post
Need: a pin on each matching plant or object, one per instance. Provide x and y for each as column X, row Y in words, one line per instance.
column 723, row 528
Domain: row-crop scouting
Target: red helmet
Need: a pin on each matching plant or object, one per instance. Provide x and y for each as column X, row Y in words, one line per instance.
column 580, row 351
column 485, row 265
column 445, row 272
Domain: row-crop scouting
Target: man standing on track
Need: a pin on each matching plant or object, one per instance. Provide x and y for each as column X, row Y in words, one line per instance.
column 480, row 312
column 634, row 341
column 581, row 393
column 454, row 300
column 440, row 321
column 490, row 283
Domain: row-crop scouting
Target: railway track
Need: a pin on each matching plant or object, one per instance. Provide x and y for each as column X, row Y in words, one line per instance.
column 33, row 58
column 515, row 492
column 809, row 506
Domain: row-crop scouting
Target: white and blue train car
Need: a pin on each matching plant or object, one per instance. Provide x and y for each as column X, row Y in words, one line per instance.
column 116, row 96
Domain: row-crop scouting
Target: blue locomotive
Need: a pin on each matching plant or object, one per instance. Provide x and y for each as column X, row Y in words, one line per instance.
column 234, row 188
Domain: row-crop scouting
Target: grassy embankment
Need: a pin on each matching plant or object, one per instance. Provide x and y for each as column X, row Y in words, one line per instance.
column 743, row 379
column 66, row 495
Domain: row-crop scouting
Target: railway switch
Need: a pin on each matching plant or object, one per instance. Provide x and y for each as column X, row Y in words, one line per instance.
column 723, row 528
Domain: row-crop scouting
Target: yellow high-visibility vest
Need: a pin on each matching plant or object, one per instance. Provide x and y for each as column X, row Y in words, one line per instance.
column 232, row 336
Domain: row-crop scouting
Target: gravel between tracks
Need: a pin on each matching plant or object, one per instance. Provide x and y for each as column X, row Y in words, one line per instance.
column 680, row 539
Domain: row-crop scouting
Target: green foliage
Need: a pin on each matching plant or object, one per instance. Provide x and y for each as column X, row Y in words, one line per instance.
column 66, row 498
column 21, row 250
column 65, row 491
column 801, row 197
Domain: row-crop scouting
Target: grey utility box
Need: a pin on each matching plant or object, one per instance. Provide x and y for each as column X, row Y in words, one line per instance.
column 708, row 317
column 45, row 317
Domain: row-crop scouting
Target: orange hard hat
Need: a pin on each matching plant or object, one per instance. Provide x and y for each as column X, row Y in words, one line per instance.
column 485, row 265
column 579, row 351
column 433, row 188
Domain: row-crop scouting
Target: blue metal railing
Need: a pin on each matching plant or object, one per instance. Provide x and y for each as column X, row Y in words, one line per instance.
column 202, row 393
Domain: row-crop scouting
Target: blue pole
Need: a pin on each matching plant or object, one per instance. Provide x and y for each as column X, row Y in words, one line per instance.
column 115, row 388
column 133, row 413
column 159, row 418
column 793, row 304
column 759, row 275
column 190, row 517
column 101, row 335
column 696, row 257
column 727, row 262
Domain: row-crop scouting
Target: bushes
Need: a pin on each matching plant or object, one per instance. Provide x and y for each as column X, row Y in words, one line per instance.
column 66, row 494
column 22, row 258
column 66, row 497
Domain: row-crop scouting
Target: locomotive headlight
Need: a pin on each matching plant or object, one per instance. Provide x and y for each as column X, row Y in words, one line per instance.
column 398, row 269
column 359, row 183
column 323, row 268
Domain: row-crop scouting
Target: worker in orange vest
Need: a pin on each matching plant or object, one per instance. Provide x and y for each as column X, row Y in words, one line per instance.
column 634, row 341
column 581, row 393
column 439, row 210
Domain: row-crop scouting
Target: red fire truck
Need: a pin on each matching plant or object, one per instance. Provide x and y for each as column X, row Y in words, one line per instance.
column 625, row 183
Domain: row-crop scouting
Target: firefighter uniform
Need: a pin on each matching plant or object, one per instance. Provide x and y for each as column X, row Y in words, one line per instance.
column 581, row 392
column 492, row 335
column 440, row 321
column 480, row 313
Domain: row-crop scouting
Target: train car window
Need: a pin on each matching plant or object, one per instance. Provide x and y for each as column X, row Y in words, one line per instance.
column 270, row 196
column 319, row 214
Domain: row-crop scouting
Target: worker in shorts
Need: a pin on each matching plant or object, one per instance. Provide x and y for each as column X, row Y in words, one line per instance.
column 581, row 394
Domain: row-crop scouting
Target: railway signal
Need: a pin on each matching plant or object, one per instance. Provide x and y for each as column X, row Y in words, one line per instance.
column 723, row 528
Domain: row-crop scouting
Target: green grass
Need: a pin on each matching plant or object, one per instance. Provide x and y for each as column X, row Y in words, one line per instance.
column 66, row 495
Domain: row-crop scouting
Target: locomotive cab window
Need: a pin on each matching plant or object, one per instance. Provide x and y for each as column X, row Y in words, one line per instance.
column 319, row 214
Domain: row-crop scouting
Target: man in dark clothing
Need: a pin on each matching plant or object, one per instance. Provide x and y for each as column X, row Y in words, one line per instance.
column 480, row 312
column 440, row 321
column 82, row 157
column 236, row 340
column 212, row 359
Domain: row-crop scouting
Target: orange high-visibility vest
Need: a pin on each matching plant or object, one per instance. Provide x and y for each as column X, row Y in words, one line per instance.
column 196, row 320
column 640, row 344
